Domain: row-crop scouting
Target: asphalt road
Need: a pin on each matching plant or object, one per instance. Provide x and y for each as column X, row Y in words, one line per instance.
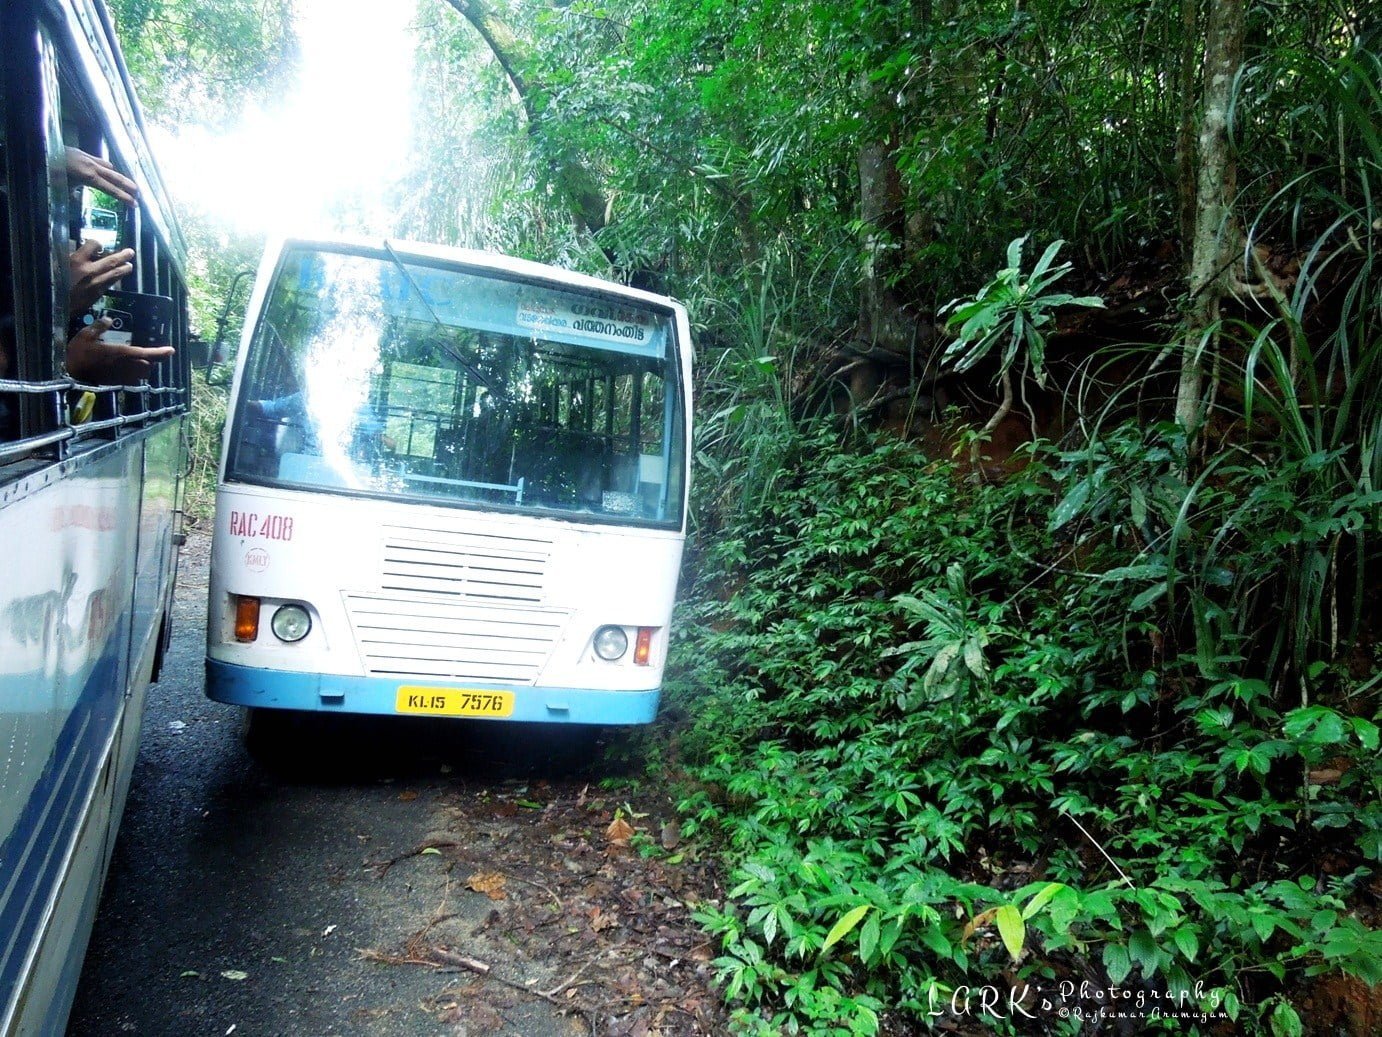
column 242, row 895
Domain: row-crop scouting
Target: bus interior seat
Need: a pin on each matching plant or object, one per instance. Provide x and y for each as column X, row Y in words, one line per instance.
column 447, row 452
column 623, row 472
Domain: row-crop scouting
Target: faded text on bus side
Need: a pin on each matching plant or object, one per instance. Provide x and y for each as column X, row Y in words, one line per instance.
column 270, row 527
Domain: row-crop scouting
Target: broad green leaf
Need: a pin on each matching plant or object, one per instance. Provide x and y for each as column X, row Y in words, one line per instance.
column 1011, row 928
column 1073, row 502
column 842, row 928
column 1143, row 949
column 974, row 658
column 1015, row 252
column 868, row 938
column 937, row 679
column 1285, row 1022
column 1231, row 1004
column 1042, row 897
column 933, row 938
column 1137, row 505
column 1116, row 962
column 1366, row 732
column 1186, row 942
column 1150, row 571
column 1047, row 258
column 1151, row 594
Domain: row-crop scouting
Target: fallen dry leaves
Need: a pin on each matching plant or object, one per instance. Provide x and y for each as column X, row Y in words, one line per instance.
column 490, row 883
column 607, row 930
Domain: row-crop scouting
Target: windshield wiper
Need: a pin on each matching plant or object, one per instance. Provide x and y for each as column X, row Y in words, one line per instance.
column 466, row 365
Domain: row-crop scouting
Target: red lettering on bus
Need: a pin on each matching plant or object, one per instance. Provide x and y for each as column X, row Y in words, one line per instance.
column 270, row 527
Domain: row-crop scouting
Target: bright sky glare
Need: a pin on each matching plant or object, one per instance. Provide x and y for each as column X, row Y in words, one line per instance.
column 337, row 137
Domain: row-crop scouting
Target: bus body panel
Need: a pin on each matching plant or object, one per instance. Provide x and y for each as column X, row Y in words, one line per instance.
column 340, row 556
column 73, row 650
column 90, row 479
column 258, row 687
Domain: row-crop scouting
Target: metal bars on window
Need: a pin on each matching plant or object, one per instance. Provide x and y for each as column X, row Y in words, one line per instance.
column 155, row 403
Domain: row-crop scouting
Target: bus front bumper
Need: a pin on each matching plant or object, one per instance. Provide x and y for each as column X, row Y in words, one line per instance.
column 333, row 693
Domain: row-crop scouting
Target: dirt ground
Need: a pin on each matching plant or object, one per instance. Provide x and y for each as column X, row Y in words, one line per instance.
column 580, row 893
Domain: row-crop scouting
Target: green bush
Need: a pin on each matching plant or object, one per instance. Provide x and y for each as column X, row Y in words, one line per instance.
column 956, row 733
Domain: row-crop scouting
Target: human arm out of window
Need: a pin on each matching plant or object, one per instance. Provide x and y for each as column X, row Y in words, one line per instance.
column 94, row 272
column 95, row 171
column 91, row 360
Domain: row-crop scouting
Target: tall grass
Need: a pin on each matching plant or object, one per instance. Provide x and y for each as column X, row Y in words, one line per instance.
column 206, row 423
column 1266, row 549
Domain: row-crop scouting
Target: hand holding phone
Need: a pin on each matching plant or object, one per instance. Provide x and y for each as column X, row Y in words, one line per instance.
column 90, row 358
column 137, row 319
column 94, row 271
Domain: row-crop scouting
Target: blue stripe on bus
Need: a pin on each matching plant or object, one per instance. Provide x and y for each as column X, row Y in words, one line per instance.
column 331, row 693
column 47, row 826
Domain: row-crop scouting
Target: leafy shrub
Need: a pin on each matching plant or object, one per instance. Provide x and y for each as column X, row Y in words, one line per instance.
column 957, row 734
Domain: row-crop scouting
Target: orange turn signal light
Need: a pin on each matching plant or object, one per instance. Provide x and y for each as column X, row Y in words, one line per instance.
column 246, row 618
column 643, row 646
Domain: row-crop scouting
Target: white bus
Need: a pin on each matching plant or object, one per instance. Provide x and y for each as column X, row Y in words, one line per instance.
column 453, row 484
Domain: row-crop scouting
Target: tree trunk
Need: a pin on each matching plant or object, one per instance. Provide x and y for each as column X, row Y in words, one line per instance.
column 1185, row 131
column 1216, row 236
column 885, row 332
column 570, row 175
column 883, row 218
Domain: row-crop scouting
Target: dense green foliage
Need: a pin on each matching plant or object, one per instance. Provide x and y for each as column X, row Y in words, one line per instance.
column 932, row 698
column 1101, row 712
column 203, row 62
column 200, row 60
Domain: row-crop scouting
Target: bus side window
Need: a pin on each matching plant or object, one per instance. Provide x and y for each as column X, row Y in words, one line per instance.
column 58, row 218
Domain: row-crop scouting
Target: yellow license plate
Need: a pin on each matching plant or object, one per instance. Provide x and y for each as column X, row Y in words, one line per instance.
column 454, row 702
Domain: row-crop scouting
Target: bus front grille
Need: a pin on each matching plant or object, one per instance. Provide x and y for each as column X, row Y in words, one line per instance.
column 408, row 636
column 467, row 566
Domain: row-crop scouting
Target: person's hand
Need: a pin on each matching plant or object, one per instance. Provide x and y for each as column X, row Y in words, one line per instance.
column 94, row 271
column 91, row 360
column 97, row 172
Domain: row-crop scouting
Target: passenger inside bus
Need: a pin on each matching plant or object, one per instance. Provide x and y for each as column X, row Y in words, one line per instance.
column 369, row 440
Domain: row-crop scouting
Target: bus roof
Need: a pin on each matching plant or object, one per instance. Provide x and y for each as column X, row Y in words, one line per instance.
column 475, row 258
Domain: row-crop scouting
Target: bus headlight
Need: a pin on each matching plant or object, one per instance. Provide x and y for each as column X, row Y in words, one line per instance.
column 611, row 643
column 291, row 623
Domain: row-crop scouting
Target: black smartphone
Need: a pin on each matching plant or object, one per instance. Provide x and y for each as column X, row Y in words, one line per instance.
column 137, row 318
column 124, row 236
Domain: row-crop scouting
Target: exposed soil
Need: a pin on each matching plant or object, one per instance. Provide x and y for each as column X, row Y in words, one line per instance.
column 551, row 878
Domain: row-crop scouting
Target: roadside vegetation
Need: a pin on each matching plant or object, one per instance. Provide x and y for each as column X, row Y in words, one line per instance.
column 1030, row 631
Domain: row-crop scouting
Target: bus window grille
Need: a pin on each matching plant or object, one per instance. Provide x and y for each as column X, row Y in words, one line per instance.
column 153, row 403
column 150, row 403
column 31, row 444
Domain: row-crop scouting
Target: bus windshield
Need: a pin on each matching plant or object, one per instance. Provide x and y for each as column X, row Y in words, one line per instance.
column 375, row 374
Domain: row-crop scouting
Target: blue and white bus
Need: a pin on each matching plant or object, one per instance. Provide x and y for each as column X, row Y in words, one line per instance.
column 453, row 484
column 90, row 483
